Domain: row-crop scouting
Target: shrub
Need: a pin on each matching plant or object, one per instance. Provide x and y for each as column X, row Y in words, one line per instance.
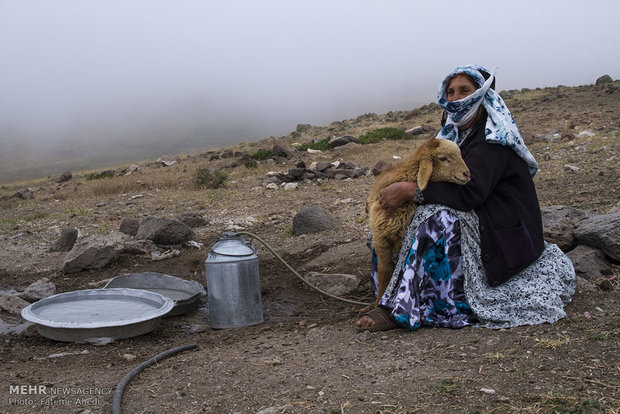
column 321, row 145
column 100, row 175
column 206, row 178
column 262, row 154
column 377, row 135
column 251, row 164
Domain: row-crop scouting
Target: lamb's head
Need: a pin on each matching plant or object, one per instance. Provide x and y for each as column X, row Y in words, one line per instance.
column 441, row 161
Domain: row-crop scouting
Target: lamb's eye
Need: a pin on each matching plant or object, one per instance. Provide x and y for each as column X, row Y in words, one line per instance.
column 443, row 159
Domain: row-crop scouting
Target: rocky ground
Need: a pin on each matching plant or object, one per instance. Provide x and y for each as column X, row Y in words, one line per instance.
column 307, row 357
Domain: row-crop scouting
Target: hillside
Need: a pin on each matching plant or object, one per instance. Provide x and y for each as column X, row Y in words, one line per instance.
column 307, row 357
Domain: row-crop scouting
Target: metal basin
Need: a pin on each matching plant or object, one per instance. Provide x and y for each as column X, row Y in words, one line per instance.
column 185, row 293
column 92, row 314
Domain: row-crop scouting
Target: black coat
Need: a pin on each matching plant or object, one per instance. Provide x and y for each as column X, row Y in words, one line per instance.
column 502, row 194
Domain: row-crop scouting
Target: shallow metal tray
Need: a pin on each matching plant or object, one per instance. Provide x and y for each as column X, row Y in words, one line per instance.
column 185, row 293
column 92, row 314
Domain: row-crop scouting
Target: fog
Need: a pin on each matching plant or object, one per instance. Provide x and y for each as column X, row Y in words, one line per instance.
column 109, row 81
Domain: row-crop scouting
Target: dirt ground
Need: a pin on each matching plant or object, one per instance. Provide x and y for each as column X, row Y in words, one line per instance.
column 307, row 356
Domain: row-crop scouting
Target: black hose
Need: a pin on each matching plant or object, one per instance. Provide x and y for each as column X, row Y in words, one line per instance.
column 120, row 388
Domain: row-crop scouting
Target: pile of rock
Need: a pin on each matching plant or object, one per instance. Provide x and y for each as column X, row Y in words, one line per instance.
column 338, row 170
column 592, row 242
column 97, row 251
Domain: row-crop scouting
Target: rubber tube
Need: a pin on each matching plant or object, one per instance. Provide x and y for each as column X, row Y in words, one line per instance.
column 120, row 388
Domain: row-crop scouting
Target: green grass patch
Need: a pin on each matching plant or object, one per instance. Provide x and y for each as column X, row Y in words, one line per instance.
column 251, row 164
column 380, row 134
column 602, row 336
column 35, row 216
column 206, row 178
column 7, row 224
column 563, row 404
column 100, row 175
column 447, row 386
column 321, row 145
column 77, row 212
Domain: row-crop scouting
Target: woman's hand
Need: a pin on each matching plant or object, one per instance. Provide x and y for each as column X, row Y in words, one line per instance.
column 397, row 194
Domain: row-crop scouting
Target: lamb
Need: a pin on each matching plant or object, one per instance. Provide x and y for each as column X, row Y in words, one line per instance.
column 434, row 160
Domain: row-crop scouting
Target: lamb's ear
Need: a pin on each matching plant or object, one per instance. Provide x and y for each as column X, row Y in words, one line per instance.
column 424, row 172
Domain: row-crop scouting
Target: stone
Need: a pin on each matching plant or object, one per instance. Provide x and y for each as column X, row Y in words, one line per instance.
column 296, row 173
column 379, row 167
column 585, row 134
column 168, row 160
column 337, row 284
column 192, row 219
column 343, row 140
column 281, row 149
column 583, row 285
column 313, row 219
column 603, row 80
column 65, row 241
column 303, row 127
column 417, row 130
column 24, row 194
column 96, row 252
column 38, row 290
column 602, row 232
column 164, row 231
column 66, row 176
column 528, row 137
column 322, row 166
column 290, row 186
column 589, row 263
column 129, row 226
column 558, row 224
column 12, row 304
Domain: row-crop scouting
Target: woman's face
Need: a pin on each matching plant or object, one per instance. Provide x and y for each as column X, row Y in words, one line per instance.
column 460, row 86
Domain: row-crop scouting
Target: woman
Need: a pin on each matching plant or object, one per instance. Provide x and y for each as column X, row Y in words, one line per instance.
column 474, row 253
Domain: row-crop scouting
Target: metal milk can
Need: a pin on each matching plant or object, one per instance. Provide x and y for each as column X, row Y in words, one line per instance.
column 233, row 283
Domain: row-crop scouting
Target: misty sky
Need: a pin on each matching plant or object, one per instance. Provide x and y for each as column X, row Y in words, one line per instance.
column 79, row 69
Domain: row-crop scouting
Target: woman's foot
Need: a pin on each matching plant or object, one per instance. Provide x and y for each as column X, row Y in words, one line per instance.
column 377, row 319
column 366, row 309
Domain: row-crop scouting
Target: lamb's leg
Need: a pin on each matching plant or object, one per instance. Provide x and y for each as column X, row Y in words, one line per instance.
column 385, row 268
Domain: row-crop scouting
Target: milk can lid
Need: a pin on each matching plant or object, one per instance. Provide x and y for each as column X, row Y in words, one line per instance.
column 233, row 244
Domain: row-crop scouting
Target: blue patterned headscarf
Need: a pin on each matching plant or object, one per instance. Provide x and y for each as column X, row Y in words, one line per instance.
column 500, row 127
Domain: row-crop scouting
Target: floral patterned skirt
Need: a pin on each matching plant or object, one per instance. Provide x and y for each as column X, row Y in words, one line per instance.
column 439, row 279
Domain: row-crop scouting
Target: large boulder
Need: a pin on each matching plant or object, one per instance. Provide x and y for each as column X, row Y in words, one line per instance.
column 164, row 231
column 558, row 224
column 66, row 176
column 95, row 252
column 24, row 194
column 343, row 140
column 303, row 127
column 313, row 219
column 129, row 226
column 604, row 79
column 65, row 241
column 589, row 262
column 602, row 232
column 280, row 149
